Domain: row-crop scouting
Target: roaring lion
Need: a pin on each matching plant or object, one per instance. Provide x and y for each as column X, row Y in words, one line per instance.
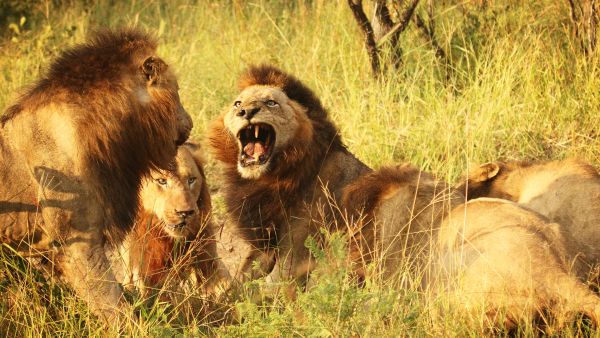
column 73, row 150
column 173, row 238
column 284, row 166
column 486, row 255
column 567, row 192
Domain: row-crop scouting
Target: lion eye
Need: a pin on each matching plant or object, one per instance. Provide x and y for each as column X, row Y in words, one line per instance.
column 161, row 181
column 237, row 104
column 191, row 180
column 271, row 103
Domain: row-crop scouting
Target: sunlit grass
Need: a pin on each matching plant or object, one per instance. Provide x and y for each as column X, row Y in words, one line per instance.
column 517, row 87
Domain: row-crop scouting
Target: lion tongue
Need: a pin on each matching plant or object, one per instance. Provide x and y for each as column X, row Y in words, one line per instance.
column 254, row 149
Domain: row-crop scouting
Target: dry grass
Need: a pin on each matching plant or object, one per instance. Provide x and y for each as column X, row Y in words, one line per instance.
column 518, row 88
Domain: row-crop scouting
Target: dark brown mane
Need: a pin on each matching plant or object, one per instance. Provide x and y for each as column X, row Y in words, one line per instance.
column 121, row 136
column 268, row 75
column 262, row 204
column 364, row 194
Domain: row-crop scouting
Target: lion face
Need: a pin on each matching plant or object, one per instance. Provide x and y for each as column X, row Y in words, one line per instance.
column 264, row 120
column 172, row 195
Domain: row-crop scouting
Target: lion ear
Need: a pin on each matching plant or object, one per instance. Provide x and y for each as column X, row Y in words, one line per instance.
column 197, row 152
column 152, row 68
column 485, row 172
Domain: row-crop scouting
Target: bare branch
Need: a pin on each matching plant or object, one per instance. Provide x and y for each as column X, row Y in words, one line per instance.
column 367, row 29
column 382, row 24
column 382, row 21
column 429, row 34
column 395, row 32
column 592, row 27
column 574, row 18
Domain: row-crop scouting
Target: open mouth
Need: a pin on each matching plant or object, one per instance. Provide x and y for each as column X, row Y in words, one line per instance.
column 177, row 226
column 257, row 142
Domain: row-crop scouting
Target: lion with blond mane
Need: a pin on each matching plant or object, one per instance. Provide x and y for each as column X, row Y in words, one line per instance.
column 73, row 150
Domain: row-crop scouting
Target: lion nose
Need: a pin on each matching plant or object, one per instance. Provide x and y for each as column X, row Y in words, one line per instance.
column 248, row 113
column 185, row 213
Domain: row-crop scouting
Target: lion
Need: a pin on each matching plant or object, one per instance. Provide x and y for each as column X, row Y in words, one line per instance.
column 173, row 238
column 284, row 166
column 73, row 150
column 566, row 191
column 487, row 255
column 511, row 264
column 395, row 212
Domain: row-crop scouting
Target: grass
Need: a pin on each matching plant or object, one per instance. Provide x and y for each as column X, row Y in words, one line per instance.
column 517, row 87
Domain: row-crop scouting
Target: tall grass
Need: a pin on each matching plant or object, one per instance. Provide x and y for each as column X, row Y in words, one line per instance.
column 516, row 87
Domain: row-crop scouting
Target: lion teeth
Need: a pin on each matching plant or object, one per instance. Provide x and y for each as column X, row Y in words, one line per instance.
column 256, row 129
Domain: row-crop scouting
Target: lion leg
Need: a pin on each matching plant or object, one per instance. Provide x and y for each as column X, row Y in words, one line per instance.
column 86, row 269
column 575, row 297
column 293, row 261
column 264, row 260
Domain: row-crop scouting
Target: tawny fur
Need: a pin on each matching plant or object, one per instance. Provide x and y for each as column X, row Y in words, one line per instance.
column 74, row 148
column 158, row 251
column 511, row 264
column 395, row 212
column 489, row 256
column 279, row 204
column 567, row 192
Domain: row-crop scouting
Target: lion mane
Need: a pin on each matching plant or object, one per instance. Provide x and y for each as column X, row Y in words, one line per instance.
column 100, row 79
column 74, row 148
column 296, row 167
column 279, row 205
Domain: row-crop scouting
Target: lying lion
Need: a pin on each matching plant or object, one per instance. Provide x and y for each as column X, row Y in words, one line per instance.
column 486, row 255
column 73, row 150
column 395, row 212
column 284, row 167
column 173, row 238
column 511, row 263
column 567, row 192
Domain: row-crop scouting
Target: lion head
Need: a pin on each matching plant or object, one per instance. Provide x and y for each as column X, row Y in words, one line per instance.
column 489, row 180
column 178, row 197
column 518, row 181
column 118, row 96
column 273, row 125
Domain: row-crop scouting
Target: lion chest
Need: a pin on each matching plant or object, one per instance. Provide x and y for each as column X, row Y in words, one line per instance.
column 152, row 256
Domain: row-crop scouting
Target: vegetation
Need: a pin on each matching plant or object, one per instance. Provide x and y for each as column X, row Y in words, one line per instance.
column 514, row 84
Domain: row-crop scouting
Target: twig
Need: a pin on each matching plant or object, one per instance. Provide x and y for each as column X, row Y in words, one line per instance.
column 367, row 29
column 382, row 24
column 574, row 19
column 592, row 27
column 395, row 32
column 382, row 21
column 430, row 36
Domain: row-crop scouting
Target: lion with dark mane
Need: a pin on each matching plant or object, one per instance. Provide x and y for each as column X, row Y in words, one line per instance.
column 284, row 166
column 497, row 263
column 73, row 150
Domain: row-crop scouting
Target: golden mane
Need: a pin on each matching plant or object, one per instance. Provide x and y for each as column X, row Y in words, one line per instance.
column 122, row 136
